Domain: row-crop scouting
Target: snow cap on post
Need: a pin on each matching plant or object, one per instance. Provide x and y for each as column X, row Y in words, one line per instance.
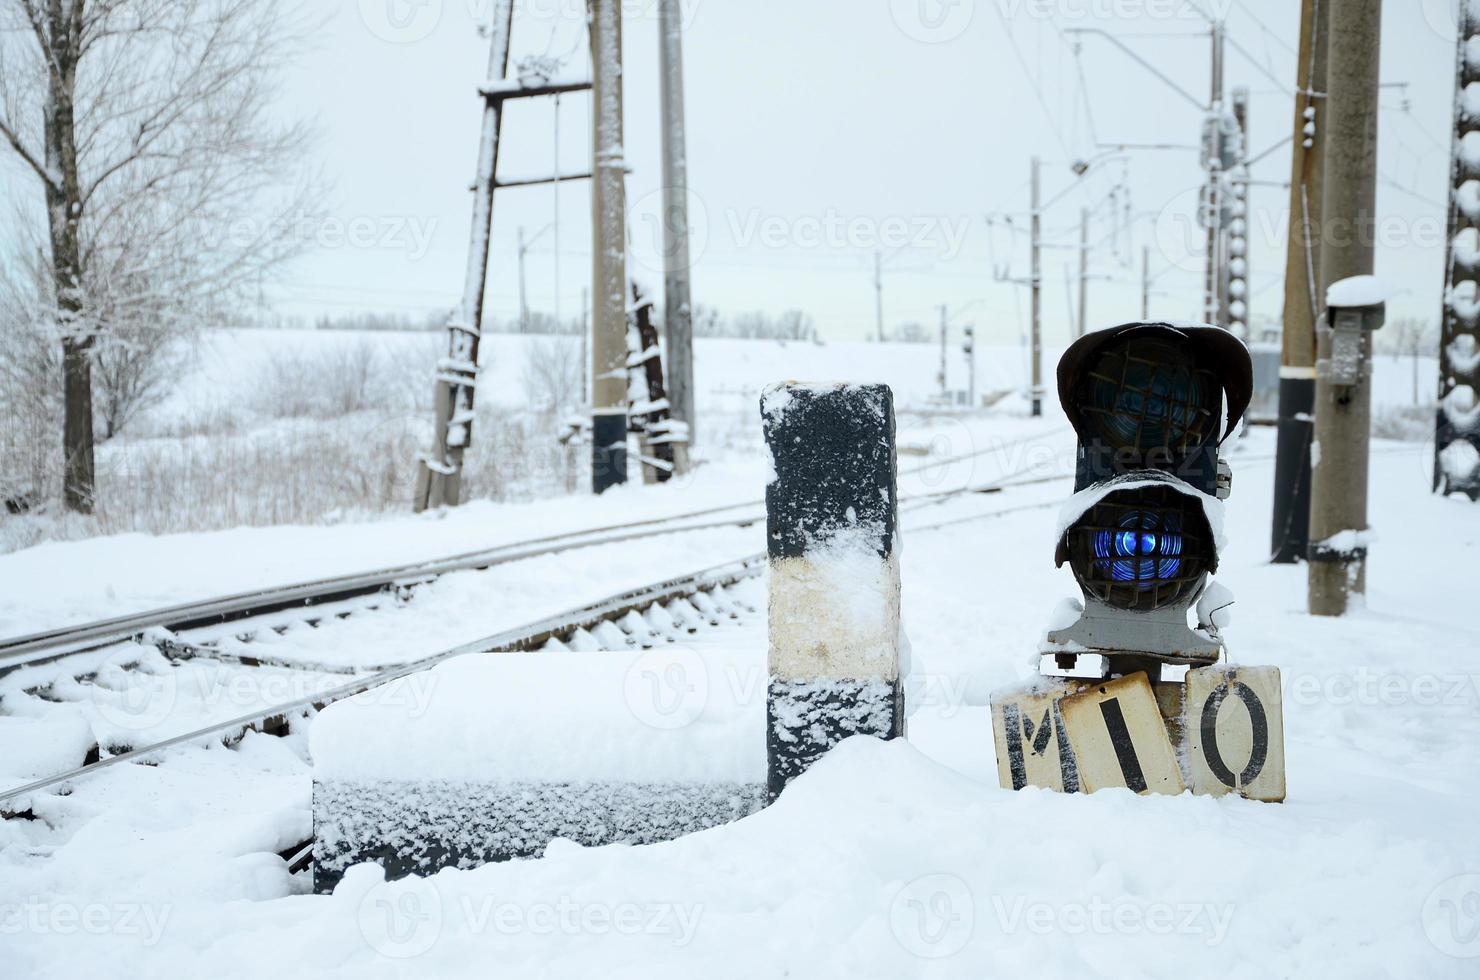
column 1357, row 291
column 831, row 523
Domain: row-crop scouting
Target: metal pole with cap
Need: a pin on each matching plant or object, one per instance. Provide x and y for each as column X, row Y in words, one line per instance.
column 1343, row 397
column 1290, row 525
column 609, row 259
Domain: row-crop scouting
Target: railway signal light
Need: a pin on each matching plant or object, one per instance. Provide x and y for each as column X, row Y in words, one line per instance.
column 1151, row 403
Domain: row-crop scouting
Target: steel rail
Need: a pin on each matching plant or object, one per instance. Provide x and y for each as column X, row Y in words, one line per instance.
column 529, row 636
column 21, row 651
column 526, row 637
column 52, row 644
column 48, row 645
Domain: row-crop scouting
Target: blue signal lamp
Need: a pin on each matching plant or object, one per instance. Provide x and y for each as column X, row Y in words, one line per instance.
column 1151, row 404
column 1142, row 551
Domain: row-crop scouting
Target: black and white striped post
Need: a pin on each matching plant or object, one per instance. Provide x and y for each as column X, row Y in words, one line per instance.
column 832, row 535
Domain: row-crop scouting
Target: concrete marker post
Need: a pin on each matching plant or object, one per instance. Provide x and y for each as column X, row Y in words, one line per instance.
column 832, row 535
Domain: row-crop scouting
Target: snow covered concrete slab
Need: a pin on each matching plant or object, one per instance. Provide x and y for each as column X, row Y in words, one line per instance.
column 489, row 757
column 421, row 826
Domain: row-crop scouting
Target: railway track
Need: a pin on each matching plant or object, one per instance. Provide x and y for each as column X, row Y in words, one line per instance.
column 54, row 644
column 688, row 603
column 314, row 600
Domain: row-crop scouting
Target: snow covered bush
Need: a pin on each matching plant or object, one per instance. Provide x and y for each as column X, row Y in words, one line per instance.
column 30, row 406
column 352, row 375
column 1403, row 423
column 553, row 375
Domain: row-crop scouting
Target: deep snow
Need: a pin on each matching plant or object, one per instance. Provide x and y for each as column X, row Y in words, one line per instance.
column 889, row 860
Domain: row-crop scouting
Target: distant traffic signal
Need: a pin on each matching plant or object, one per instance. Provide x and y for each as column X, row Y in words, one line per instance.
column 1151, row 404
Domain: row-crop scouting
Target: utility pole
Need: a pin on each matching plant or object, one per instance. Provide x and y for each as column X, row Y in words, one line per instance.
column 1236, row 265
column 1290, row 529
column 1145, row 282
column 1083, row 322
column 678, row 313
column 968, row 347
column 439, row 472
column 879, row 292
column 523, row 305
column 941, row 376
column 555, row 208
column 1212, row 280
column 609, row 258
column 1343, row 411
column 1036, row 272
column 525, row 244
column 1456, row 444
column 439, row 477
column 585, row 332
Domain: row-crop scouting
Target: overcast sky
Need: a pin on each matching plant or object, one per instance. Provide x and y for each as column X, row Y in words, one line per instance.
column 818, row 127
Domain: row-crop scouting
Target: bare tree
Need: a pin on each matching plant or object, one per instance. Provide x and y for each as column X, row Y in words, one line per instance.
column 795, row 325
column 911, row 333
column 30, row 395
column 707, row 321
column 148, row 125
column 1413, row 337
column 134, row 368
column 552, row 374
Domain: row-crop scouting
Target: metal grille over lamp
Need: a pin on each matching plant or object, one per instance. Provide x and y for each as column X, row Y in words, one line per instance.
column 1147, row 398
column 1142, row 549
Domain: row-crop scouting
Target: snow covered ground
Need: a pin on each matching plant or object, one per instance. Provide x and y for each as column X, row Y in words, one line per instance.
column 888, row 860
